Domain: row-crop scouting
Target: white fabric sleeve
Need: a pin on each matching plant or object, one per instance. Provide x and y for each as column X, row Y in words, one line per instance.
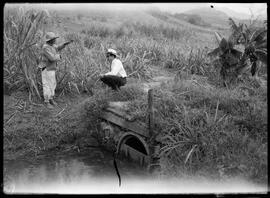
column 115, row 69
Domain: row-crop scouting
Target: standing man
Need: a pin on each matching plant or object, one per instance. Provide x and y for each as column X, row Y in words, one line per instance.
column 117, row 76
column 48, row 65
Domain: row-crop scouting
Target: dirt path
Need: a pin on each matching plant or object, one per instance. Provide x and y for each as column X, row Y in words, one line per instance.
column 160, row 76
column 157, row 81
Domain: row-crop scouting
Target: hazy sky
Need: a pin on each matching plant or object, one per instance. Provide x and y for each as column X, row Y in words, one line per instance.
column 237, row 7
column 171, row 7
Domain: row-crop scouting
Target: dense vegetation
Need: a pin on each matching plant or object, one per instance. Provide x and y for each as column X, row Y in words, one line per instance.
column 205, row 128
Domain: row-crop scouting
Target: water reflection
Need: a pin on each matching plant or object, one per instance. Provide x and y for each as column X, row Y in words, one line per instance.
column 92, row 172
column 65, row 169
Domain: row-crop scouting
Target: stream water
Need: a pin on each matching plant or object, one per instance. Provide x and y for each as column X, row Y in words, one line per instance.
column 92, row 172
column 64, row 172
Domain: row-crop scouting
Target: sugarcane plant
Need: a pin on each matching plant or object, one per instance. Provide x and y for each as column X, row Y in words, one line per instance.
column 234, row 62
column 22, row 34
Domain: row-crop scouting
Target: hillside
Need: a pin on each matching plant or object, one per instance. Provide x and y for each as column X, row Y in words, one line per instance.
column 214, row 17
column 192, row 19
column 96, row 20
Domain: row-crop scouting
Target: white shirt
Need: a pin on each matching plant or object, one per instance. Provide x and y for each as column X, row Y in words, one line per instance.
column 117, row 69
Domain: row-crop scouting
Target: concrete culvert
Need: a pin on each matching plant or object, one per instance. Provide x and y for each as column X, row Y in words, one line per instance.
column 134, row 148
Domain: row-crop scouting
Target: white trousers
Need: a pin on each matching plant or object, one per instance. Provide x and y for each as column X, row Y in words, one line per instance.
column 49, row 84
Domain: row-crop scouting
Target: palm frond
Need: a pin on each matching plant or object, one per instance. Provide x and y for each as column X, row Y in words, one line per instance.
column 261, row 36
column 236, row 53
column 218, row 37
column 233, row 25
column 262, row 55
column 258, row 35
column 261, row 44
column 223, row 45
column 230, row 44
column 215, row 52
column 253, row 68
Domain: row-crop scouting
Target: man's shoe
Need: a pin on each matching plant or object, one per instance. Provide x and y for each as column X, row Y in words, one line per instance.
column 48, row 105
column 53, row 102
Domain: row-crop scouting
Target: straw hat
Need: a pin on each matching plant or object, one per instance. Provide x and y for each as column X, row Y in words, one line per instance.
column 112, row 51
column 50, row 35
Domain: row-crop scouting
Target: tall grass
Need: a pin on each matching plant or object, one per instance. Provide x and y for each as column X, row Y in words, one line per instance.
column 140, row 47
column 203, row 129
column 194, row 62
column 208, row 130
column 83, row 60
column 21, row 38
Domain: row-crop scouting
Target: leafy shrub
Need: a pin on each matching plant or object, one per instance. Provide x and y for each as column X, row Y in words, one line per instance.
column 196, row 20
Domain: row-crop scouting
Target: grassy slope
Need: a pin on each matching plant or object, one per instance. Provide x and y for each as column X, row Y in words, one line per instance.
column 227, row 128
column 30, row 129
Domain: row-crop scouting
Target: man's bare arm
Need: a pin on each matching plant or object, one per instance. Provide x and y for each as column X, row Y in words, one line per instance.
column 63, row 45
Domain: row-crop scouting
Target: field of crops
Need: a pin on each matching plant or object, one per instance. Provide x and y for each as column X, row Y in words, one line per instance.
column 141, row 46
column 207, row 129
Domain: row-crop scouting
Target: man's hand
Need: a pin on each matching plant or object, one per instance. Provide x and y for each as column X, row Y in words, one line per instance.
column 66, row 43
column 71, row 41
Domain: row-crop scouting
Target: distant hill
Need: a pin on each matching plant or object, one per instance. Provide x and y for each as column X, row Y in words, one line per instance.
column 211, row 16
column 193, row 19
column 189, row 21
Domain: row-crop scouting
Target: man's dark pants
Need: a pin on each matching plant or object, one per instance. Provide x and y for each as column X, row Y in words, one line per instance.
column 115, row 82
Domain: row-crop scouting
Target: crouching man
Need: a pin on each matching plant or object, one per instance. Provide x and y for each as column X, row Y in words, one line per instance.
column 48, row 65
column 117, row 76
